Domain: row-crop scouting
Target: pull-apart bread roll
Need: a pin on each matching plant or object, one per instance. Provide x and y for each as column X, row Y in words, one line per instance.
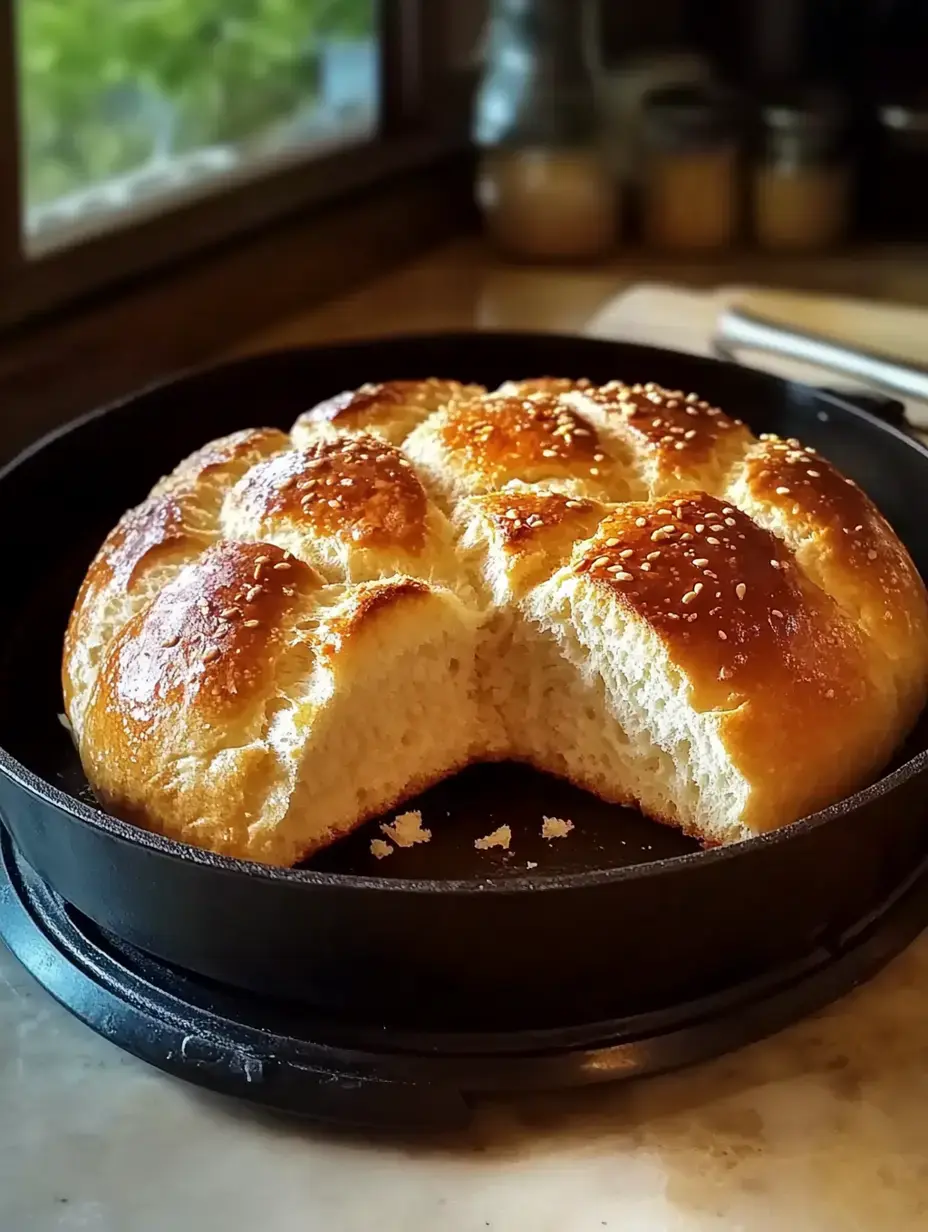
column 620, row 585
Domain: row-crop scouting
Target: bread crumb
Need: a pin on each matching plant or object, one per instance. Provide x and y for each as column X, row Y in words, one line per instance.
column 407, row 830
column 499, row 838
column 380, row 849
column 532, row 864
column 555, row 827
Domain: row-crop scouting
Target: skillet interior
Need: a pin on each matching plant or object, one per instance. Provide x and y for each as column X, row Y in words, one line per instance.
column 110, row 461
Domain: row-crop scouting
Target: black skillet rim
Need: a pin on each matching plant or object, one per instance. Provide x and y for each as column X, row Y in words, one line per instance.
column 97, row 819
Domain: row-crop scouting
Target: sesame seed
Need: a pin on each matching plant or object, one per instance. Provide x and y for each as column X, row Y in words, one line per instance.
column 252, row 593
column 688, row 436
column 281, row 566
column 230, row 613
column 623, row 577
column 774, row 564
column 700, row 528
column 871, row 555
column 776, row 612
column 257, row 572
column 288, row 591
column 730, row 522
column 251, row 624
column 549, row 453
column 599, row 562
column 612, row 543
column 169, row 642
column 712, row 540
column 859, row 527
column 718, row 529
column 830, row 694
column 741, row 590
column 666, row 513
column 594, row 470
column 685, row 537
column 625, row 554
column 211, row 653
column 599, row 457
column 782, row 491
column 690, row 597
column 723, row 636
column 653, row 555
column 646, row 568
column 572, row 504
column 333, row 504
column 701, row 562
column 663, row 532
column 679, row 445
column 641, row 521
column 698, row 587
column 814, row 474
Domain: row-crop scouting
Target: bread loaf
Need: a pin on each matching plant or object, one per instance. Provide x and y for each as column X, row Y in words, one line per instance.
column 620, row 585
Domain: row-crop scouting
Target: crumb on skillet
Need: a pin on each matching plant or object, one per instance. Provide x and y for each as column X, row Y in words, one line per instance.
column 555, row 827
column 407, row 829
column 499, row 838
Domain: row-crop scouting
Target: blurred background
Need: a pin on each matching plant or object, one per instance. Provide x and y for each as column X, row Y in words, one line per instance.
column 178, row 174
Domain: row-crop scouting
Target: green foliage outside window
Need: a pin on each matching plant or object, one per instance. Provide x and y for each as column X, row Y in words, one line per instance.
column 105, row 84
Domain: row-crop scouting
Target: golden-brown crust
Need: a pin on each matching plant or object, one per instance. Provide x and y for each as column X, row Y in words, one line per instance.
column 682, row 439
column 499, row 438
column 384, row 404
column 535, row 530
column 359, row 489
column 224, row 459
column 523, row 518
column 816, row 499
column 554, row 385
column 204, row 646
column 725, row 596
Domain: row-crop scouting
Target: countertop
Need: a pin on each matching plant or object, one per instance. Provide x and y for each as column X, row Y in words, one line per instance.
column 823, row 1128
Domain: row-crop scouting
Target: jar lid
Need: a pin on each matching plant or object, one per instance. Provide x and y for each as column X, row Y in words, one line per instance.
column 905, row 117
column 689, row 116
column 812, row 112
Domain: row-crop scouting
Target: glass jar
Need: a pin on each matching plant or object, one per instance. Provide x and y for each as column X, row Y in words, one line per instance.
column 544, row 184
column 801, row 180
column 690, row 198
column 894, row 191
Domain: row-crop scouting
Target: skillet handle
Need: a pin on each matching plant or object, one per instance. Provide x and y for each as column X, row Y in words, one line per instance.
column 737, row 328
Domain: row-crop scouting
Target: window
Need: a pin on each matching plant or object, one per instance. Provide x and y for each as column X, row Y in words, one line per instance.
column 136, row 131
column 125, row 102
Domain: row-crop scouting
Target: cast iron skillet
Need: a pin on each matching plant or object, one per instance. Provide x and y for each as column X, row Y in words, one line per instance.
column 623, row 917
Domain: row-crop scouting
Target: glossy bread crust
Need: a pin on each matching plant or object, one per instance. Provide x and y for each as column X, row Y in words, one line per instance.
column 284, row 616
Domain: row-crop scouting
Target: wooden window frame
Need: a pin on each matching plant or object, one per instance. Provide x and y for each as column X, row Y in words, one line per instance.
column 419, row 123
